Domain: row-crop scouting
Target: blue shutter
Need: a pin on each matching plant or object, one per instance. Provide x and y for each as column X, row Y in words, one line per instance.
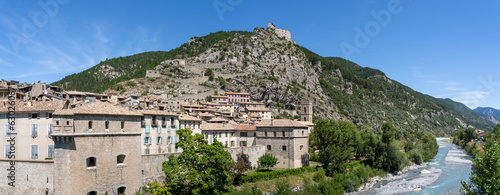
column 145, row 140
column 159, row 129
column 147, row 128
column 168, row 128
column 175, row 141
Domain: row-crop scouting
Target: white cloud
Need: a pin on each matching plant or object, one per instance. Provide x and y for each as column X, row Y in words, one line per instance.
column 472, row 98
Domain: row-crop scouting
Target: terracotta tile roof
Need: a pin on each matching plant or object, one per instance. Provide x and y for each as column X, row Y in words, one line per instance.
column 279, row 123
column 252, row 109
column 245, row 128
column 33, row 106
column 209, row 103
column 75, row 92
column 219, row 96
column 188, row 118
column 218, row 126
column 217, row 120
column 157, row 112
column 306, row 123
column 206, row 115
column 98, row 108
column 237, row 93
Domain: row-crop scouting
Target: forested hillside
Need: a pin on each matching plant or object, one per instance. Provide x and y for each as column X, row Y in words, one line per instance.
column 280, row 73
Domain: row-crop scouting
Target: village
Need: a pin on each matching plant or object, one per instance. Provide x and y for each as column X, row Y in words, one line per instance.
column 65, row 137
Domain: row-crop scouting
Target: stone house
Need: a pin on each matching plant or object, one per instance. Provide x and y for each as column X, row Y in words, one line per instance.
column 33, row 129
column 158, row 131
column 288, row 140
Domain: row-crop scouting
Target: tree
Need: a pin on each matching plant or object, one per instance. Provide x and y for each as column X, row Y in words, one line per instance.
column 267, row 160
column 485, row 175
column 336, row 141
column 242, row 163
column 200, row 168
column 210, row 73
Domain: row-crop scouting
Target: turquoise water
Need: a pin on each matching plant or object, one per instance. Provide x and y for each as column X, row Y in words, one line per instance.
column 455, row 166
column 449, row 180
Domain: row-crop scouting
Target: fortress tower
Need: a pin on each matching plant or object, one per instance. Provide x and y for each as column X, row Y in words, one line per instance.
column 280, row 32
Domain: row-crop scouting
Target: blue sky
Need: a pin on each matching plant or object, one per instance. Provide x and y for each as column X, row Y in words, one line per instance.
column 447, row 49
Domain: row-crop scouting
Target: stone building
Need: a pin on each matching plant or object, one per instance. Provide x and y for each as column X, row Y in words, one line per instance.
column 158, row 131
column 288, row 140
column 33, row 129
column 306, row 112
column 97, row 150
column 280, row 32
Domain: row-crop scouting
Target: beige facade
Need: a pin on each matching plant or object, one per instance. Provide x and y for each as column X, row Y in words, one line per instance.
column 286, row 139
column 158, row 132
column 32, row 130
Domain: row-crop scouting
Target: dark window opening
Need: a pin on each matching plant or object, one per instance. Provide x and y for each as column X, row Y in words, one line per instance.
column 90, row 124
column 283, row 133
column 283, row 148
column 268, row 147
column 121, row 190
column 120, row 159
column 122, row 125
column 92, row 193
column 106, row 124
column 91, row 162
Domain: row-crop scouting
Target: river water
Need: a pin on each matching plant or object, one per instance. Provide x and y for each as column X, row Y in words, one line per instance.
column 449, row 166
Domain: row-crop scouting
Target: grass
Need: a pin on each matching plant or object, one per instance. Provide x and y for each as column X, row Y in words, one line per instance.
column 270, row 185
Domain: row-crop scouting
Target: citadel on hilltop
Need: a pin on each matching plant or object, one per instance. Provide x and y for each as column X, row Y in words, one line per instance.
column 280, row 32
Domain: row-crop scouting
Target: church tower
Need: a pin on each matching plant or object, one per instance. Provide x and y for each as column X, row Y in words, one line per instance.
column 306, row 111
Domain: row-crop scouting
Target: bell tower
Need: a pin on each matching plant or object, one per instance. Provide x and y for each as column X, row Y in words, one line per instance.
column 306, row 110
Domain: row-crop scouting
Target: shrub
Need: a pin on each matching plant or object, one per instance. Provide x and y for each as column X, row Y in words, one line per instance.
column 416, row 156
column 319, row 175
column 253, row 177
column 130, row 83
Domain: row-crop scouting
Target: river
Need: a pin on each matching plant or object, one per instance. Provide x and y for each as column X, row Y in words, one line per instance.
column 443, row 174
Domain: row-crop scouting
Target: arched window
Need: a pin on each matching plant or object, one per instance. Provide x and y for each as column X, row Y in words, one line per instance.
column 283, row 133
column 265, row 133
column 121, row 190
column 120, row 159
column 92, row 193
column 91, row 162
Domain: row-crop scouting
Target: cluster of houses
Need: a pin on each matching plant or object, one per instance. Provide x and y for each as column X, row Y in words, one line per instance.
column 96, row 143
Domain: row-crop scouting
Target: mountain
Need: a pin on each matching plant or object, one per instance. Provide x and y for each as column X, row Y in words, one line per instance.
column 277, row 71
column 494, row 114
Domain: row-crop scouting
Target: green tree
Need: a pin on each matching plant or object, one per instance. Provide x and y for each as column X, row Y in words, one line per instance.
column 267, row 160
column 485, row 175
column 335, row 141
column 153, row 189
column 210, row 73
column 200, row 168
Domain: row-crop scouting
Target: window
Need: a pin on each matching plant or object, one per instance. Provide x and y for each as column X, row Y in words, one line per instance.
column 304, row 119
column 147, row 151
column 50, row 151
column 120, row 159
column 122, row 125
column 220, row 135
column 168, row 139
column 301, row 147
column 49, row 115
column 305, row 110
column 159, row 140
column 121, row 190
column 34, row 151
column 92, row 193
column 34, row 130
column 90, row 124
column 255, row 134
column 283, row 147
column 274, row 133
column 243, row 143
column 283, row 133
column 232, row 143
column 57, row 123
column 169, row 150
column 91, row 162
column 159, row 150
column 67, row 123
column 232, row 134
column 226, row 135
column 34, row 115
column 268, row 147
column 265, row 133
column 8, row 132
column 49, row 130
column 243, row 134
column 106, row 125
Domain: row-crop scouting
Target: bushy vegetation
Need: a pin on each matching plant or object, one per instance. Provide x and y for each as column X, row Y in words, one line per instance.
column 267, row 175
column 267, row 160
column 485, row 174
